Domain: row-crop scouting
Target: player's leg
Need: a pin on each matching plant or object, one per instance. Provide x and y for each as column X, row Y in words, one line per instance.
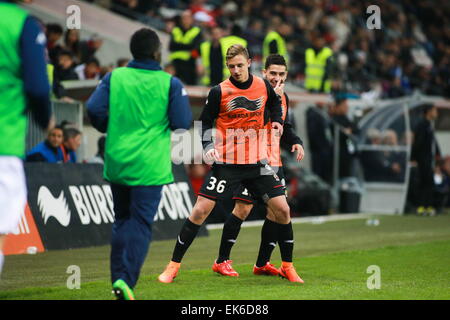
column 200, row 212
column 269, row 239
column 231, row 229
column 137, row 229
column 13, row 197
column 280, row 209
column 269, row 186
column 216, row 186
column 230, row 232
column 119, row 264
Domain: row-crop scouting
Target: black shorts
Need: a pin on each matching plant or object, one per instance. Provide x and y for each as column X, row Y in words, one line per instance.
column 243, row 194
column 223, row 181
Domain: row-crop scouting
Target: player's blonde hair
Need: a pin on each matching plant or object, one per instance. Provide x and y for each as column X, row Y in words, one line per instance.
column 237, row 49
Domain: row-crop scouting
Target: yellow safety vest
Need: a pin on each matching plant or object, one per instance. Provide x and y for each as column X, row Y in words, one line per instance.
column 184, row 38
column 315, row 69
column 50, row 69
column 281, row 44
column 205, row 50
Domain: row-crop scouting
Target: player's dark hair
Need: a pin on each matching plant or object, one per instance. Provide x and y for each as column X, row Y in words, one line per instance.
column 93, row 60
column 71, row 133
column 427, row 108
column 54, row 28
column 275, row 58
column 145, row 44
column 65, row 52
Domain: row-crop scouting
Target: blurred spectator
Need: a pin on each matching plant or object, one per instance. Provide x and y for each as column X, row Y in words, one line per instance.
column 372, row 160
column 275, row 41
column 90, row 70
column 394, row 162
column 100, row 156
column 317, row 66
column 169, row 68
column 442, row 189
column 53, row 32
column 105, row 69
column 347, row 147
column 65, row 69
column 184, row 47
column 254, row 35
column 90, row 47
column 72, row 141
column 213, row 53
column 446, row 171
column 425, row 151
column 72, row 44
column 320, row 141
column 48, row 150
column 410, row 52
column 122, row 62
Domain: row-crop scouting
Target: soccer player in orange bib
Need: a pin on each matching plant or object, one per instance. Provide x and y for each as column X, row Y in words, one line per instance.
column 274, row 230
column 241, row 107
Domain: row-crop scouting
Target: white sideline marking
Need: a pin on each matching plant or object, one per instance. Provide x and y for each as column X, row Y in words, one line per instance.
column 313, row 219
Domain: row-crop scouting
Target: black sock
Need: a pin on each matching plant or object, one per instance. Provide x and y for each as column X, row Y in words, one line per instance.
column 269, row 237
column 230, row 232
column 286, row 241
column 185, row 237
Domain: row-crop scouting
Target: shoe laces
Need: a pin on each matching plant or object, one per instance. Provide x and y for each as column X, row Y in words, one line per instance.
column 227, row 265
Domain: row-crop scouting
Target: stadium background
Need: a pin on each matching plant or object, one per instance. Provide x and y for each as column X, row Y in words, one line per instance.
column 388, row 75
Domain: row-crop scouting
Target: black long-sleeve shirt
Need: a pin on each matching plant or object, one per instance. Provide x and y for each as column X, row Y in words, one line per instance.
column 289, row 137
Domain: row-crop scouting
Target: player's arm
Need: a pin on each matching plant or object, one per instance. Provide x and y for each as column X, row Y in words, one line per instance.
column 289, row 140
column 273, row 104
column 34, row 66
column 98, row 104
column 209, row 115
column 180, row 114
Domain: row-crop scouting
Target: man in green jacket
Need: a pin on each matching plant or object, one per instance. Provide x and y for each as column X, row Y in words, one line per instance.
column 137, row 106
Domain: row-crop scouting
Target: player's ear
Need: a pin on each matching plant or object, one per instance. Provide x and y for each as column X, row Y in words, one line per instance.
column 249, row 61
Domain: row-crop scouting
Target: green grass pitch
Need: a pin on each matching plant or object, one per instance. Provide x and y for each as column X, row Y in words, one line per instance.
column 413, row 254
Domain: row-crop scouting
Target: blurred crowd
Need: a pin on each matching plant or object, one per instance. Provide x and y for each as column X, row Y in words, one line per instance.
column 411, row 50
column 73, row 58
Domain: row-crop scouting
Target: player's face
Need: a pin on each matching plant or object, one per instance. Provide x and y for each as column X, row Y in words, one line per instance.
column 238, row 67
column 55, row 138
column 74, row 143
column 275, row 73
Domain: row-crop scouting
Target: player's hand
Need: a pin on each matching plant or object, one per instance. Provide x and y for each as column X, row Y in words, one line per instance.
column 278, row 127
column 279, row 88
column 212, row 155
column 300, row 151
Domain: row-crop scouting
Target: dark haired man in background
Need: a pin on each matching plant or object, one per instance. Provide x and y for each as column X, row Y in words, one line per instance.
column 425, row 151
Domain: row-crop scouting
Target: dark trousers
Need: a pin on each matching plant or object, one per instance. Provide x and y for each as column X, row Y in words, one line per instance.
column 135, row 209
column 322, row 165
column 426, row 184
